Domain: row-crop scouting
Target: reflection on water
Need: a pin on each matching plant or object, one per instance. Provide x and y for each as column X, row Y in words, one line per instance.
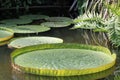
column 5, row 67
column 69, row 36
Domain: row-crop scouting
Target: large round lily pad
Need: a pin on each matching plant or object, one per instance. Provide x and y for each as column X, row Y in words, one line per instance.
column 16, row 21
column 59, row 19
column 62, row 59
column 30, row 29
column 28, row 41
column 33, row 17
column 56, row 24
column 5, row 34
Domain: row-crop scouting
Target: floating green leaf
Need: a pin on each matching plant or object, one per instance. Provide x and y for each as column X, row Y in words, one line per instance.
column 33, row 17
column 28, row 41
column 59, row 19
column 56, row 24
column 62, row 59
column 5, row 34
column 7, row 25
column 16, row 21
column 29, row 29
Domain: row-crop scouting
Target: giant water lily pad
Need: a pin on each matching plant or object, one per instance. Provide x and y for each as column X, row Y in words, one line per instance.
column 5, row 34
column 59, row 19
column 28, row 41
column 16, row 21
column 62, row 59
column 56, row 24
column 33, row 17
column 29, row 29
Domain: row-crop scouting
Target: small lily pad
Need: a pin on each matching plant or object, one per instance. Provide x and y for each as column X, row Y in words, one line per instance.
column 30, row 29
column 59, row 19
column 28, row 41
column 16, row 21
column 5, row 34
column 7, row 25
column 56, row 24
column 34, row 17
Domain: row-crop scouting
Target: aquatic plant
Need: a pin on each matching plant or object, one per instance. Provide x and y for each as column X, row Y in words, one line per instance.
column 29, row 29
column 5, row 34
column 16, row 21
column 33, row 16
column 91, row 21
column 59, row 19
column 114, row 30
column 29, row 41
column 62, row 59
column 56, row 24
column 103, row 21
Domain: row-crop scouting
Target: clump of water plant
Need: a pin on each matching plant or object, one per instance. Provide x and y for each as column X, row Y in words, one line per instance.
column 101, row 21
column 62, row 59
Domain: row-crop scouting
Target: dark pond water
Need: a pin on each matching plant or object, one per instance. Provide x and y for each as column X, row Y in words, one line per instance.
column 69, row 36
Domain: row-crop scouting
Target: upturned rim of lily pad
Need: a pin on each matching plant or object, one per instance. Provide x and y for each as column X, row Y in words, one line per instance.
column 62, row 72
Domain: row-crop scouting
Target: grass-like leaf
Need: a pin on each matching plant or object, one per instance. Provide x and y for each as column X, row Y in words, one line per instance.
column 117, row 77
